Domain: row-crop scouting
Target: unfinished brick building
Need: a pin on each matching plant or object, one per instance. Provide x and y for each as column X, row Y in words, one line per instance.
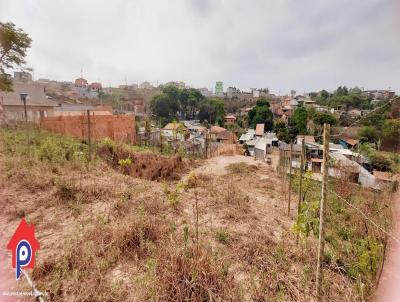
column 115, row 127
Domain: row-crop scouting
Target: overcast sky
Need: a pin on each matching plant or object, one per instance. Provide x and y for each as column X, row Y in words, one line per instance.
column 280, row 44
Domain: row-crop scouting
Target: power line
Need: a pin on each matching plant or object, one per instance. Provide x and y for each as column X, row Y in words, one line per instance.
column 366, row 217
column 37, row 294
column 362, row 118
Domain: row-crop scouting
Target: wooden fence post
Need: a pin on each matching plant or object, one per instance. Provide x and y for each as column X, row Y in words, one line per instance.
column 321, row 241
column 301, row 174
column 89, row 136
column 290, row 177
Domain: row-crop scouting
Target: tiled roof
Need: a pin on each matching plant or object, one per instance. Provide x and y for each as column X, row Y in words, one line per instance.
column 217, row 129
column 307, row 138
column 350, row 141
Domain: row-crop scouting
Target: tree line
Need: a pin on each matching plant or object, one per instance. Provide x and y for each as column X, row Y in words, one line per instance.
column 344, row 98
column 188, row 103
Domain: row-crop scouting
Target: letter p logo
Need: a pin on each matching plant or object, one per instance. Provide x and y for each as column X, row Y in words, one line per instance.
column 23, row 256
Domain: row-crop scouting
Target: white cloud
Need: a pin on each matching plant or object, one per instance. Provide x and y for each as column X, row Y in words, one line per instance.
column 285, row 44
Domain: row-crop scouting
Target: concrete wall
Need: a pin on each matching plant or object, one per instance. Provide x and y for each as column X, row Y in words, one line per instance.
column 14, row 113
column 118, row 128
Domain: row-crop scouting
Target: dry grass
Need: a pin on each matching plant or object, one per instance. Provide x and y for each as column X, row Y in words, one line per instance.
column 106, row 236
column 185, row 275
column 146, row 165
column 241, row 168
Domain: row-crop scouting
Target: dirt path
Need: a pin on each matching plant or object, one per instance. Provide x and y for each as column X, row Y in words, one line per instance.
column 389, row 284
column 7, row 275
column 217, row 165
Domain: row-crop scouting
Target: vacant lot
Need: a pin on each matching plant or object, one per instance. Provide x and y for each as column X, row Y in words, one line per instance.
column 216, row 233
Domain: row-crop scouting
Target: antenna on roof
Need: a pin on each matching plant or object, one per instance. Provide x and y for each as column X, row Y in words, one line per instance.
column 81, row 73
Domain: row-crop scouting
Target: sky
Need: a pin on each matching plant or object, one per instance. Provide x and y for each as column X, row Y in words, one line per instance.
column 305, row 45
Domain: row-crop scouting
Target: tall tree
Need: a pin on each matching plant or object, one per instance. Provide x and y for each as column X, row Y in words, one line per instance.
column 261, row 114
column 300, row 117
column 391, row 132
column 368, row 134
column 324, row 94
column 212, row 111
column 321, row 118
column 14, row 43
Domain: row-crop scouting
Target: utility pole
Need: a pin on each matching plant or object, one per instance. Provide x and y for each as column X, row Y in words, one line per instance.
column 301, row 174
column 206, row 144
column 290, row 177
column 24, row 97
column 161, row 142
column 321, row 241
column 283, row 172
column 89, row 136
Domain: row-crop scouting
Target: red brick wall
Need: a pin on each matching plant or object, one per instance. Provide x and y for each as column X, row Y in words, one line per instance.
column 118, row 128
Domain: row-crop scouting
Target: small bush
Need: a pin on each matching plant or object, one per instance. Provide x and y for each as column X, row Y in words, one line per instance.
column 222, row 236
column 241, row 168
column 66, row 190
column 380, row 162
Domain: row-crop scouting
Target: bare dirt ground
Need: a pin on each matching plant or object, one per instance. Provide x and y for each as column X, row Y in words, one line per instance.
column 7, row 274
column 217, row 165
column 389, row 283
column 86, row 223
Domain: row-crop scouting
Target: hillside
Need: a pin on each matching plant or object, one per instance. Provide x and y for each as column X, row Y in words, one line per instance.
column 215, row 231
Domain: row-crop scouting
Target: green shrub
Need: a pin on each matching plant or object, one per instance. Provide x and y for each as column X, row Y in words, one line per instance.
column 125, row 162
column 222, row 236
column 380, row 162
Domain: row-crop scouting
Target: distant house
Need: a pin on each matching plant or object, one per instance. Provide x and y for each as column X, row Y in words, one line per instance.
column 146, row 85
column 81, row 82
column 342, row 167
column 355, row 113
column 138, row 105
column 215, row 130
column 313, row 149
column 316, row 165
column 308, row 139
column 222, row 135
column 176, row 131
column 250, row 134
column 226, row 137
column 37, row 105
column 264, row 146
column 309, row 102
column 205, row 92
column 95, row 86
column 260, row 129
column 230, row 119
column 348, row 143
column 250, row 146
column 22, row 76
column 285, row 148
